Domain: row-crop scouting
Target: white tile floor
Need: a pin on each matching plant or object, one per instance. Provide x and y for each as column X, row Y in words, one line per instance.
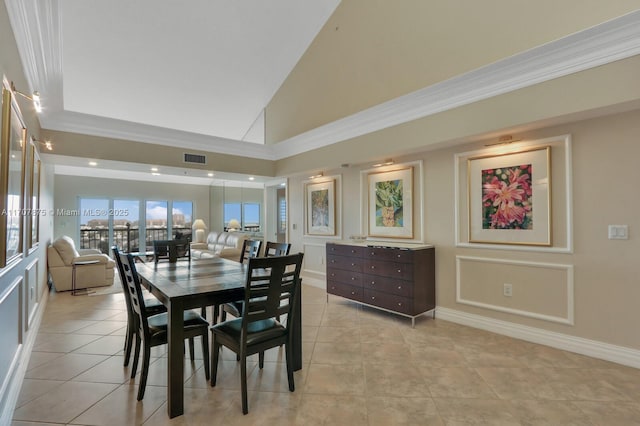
column 361, row 367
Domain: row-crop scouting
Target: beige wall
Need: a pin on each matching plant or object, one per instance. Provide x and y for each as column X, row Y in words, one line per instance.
column 371, row 51
column 605, row 273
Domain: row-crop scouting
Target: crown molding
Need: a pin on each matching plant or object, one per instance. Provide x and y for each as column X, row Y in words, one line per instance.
column 74, row 122
column 607, row 42
column 36, row 27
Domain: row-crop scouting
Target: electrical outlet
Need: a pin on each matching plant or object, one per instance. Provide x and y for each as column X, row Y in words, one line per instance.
column 507, row 290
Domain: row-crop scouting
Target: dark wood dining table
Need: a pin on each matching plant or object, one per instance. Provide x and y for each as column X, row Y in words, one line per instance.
column 194, row 284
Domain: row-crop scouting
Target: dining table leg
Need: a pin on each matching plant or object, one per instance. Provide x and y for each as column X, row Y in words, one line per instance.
column 175, row 338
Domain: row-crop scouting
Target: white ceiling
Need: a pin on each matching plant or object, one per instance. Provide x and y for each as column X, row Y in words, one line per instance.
column 203, row 66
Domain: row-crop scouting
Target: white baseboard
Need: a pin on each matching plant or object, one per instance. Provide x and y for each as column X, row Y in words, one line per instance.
column 592, row 348
column 314, row 282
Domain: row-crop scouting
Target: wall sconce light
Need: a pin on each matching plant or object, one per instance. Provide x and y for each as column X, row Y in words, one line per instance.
column 386, row 162
column 35, row 97
column 504, row 140
column 317, row 175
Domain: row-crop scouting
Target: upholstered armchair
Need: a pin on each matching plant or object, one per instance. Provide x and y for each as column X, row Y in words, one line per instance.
column 62, row 254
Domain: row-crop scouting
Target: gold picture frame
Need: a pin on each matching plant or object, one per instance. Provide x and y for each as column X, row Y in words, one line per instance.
column 33, row 221
column 509, row 198
column 13, row 141
column 390, row 203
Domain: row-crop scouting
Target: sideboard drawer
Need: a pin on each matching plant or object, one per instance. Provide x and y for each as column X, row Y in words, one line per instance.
column 345, row 263
column 345, row 277
column 344, row 250
column 388, row 301
column 389, row 254
column 343, row 290
column 403, row 271
column 388, row 285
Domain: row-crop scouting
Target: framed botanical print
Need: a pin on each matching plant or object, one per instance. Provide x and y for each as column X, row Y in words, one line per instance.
column 320, row 208
column 509, row 198
column 390, row 204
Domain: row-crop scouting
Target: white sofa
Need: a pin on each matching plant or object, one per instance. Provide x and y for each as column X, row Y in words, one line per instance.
column 219, row 244
column 62, row 254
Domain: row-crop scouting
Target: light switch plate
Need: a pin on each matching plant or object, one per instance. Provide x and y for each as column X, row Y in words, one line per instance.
column 618, row 232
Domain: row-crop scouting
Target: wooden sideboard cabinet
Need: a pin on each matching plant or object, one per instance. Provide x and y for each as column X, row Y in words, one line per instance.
column 399, row 278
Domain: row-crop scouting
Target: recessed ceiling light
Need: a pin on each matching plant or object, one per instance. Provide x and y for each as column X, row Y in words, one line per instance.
column 251, row 178
column 155, row 174
column 93, row 163
column 154, row 169
column 210, row 174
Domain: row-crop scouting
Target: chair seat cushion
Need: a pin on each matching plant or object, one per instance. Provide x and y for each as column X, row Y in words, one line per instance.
column 158, row 323
column 256, row 331
column 154, row 306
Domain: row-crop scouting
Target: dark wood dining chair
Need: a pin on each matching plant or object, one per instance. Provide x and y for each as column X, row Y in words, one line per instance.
column 164, row 250
column 272, row 289
column 152, row 305
column 276, row 249
column 250, row 249
column 152, row 329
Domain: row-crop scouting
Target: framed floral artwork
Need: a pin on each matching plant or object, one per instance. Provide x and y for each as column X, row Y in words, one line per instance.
column 509, row 198
column 390, row 204
column 320, row 208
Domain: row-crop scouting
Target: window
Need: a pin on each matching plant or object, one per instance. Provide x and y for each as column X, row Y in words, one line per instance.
column 247, row 214
column 232, row 211
column 126, row 224
column 251, row 216
column 156, row 221
column 131, row 224
column 94, row 224
column 182, row 219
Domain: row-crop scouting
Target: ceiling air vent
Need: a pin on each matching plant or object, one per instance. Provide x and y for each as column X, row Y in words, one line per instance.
column 195, row 158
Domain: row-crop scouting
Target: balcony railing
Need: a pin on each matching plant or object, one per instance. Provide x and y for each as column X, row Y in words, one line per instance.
column 127, row 239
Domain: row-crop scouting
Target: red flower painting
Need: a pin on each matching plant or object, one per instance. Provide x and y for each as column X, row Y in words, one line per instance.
column 507, row 198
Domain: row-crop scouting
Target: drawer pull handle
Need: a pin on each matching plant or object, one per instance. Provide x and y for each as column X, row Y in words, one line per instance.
column 373, row 253
column 353, row 251
column 373, row 298
column 333, row 261
column 353, row 264
column 399, row 270
column 333, row 275
column 333, row 287
column 399, row 303
column 373, row 267
column 399, row 255
column 353, row 293
column 373, row 283
column 399, row 287
column 353, row 278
